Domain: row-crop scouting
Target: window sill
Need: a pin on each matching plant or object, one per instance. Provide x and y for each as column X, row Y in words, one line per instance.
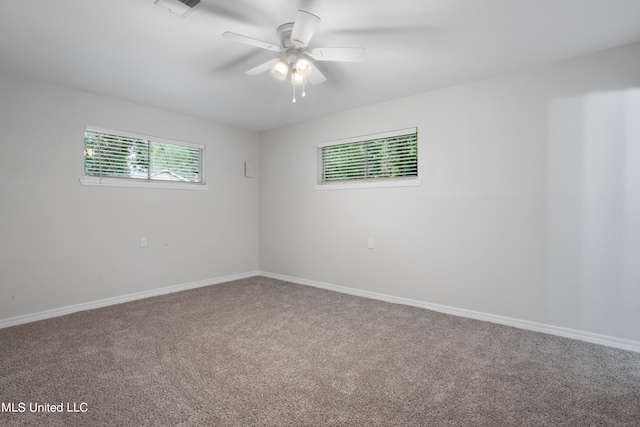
column 137, row 183
column 370, row 184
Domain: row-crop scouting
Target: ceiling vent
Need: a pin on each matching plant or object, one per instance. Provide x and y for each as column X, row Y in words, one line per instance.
column 179, row 7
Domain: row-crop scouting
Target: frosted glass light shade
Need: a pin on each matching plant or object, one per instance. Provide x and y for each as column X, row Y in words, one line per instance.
column 303, row 66
column 296, row 77
column 280, row 70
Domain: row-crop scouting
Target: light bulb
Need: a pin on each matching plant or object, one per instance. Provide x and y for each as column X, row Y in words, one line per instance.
column 296, row 77
column 280, row 70
column 303, row 66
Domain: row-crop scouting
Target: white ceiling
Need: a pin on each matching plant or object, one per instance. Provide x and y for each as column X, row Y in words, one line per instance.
column 137, row 51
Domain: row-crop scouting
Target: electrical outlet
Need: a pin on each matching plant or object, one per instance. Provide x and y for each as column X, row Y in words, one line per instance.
column 370, row 244
column 143, row 242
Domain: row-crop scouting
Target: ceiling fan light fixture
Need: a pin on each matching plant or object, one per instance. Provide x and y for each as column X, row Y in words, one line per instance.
column 303, row 66
column 296, row 77
column 280, row 70
column 297, row 59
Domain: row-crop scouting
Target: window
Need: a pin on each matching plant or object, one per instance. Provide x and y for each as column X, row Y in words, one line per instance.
column 119, row 158
column 385, row 159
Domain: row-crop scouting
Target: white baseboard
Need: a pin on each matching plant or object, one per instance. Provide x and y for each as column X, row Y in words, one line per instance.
column 522, row 324
column 27, row 318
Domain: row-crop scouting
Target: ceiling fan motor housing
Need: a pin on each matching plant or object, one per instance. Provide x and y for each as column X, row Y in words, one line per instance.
column 284, row 33
column 292, row 55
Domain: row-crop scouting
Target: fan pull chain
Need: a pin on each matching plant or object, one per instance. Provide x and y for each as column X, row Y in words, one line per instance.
column 294, row 94
column 304, row 93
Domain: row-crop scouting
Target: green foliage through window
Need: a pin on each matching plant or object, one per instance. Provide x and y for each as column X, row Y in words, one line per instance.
column 387, row 157
column 118, row 156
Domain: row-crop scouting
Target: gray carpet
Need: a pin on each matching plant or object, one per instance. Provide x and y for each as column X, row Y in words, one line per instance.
column 265, row 352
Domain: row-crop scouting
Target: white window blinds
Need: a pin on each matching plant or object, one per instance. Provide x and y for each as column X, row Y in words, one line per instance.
column 119, row 155
column 390, row 155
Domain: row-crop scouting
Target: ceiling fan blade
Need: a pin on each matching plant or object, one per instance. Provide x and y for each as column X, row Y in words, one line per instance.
column 303, row 28
column 316, row 77
column 262, row 67
column 252, row 42
column 344, row 54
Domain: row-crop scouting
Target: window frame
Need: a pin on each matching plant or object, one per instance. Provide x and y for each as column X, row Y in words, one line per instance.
column 409, row 181
column 93, row 180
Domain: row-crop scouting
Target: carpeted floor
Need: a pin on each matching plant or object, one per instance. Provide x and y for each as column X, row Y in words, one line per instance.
column 265, row 352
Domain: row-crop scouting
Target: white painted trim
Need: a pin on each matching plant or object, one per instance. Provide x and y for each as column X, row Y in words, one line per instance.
column 47, row 314
column 374, row 183
column 145, row 137
column 148, row 183
column 522, row 324
column 141, row 183
column 605, row 340
column 379, row 135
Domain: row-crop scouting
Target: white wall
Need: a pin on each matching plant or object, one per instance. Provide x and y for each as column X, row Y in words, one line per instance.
column 62, row 243
column 529, row 207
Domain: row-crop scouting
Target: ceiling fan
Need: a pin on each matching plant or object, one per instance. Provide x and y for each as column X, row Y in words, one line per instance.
column 297, row 58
